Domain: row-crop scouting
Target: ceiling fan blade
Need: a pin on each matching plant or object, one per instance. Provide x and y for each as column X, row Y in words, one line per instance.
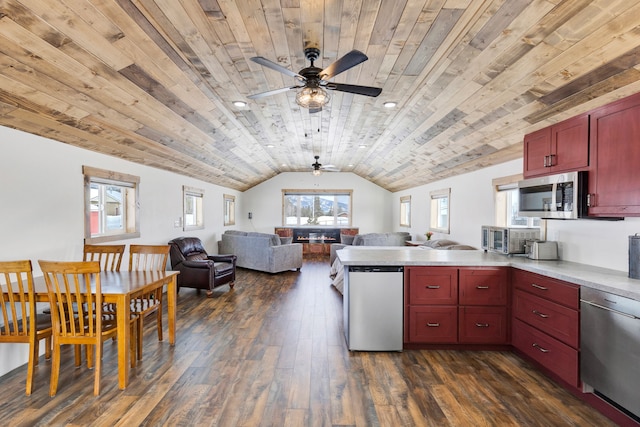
column 271, row 92
column 358, row 90
column 330, row 168
column 349, row 60
column 270, row 64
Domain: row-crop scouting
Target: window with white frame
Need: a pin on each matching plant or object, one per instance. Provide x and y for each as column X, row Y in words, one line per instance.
column 316, row 207
column 506, row 204
column 405, row 211
column 192, row 207
column 229, row 209
column 111, row 205
column 440, row 210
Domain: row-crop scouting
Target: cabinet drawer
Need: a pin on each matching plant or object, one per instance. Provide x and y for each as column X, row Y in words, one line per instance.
column 433, row 285
column 433, row 324
column 555, row 290
column 554, row 319
column 486, row 286
column 554, row 355
column 485, row 325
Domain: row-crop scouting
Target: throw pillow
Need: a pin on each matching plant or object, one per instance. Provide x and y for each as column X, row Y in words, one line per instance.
column 286, row 240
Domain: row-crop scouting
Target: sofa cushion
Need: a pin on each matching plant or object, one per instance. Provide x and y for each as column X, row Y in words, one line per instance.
column 236, row 232
column 439, row 243
column 273, row 238
column 346, row 239
column 286, row 240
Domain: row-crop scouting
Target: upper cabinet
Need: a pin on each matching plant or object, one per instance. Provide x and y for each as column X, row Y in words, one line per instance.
column 614, row 181
column 559, row 148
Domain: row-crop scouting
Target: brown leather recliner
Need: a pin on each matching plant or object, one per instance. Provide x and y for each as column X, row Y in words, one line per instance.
column 198, row 269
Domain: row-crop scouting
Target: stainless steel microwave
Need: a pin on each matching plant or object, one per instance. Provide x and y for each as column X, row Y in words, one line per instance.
column 507, row 240
column 561, row 196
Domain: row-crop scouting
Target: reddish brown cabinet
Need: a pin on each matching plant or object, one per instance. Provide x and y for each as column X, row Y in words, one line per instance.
column 614, row 182
column 559, row 148
column 466, row 305
column 546, row 323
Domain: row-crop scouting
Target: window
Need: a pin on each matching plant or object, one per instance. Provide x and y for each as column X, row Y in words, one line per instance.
column 405, row 211
column 506, row 204
column 111, row 207
column 439, row 204
column 192, row 208
column 316, row 207
column 229, row 209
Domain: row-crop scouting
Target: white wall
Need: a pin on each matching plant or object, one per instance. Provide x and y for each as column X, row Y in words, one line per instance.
column 371, row 204
column 593, row 242
column 42, row 212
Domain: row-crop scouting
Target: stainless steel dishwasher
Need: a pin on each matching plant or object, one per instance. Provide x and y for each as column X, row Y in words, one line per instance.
column 373, row 308
column 610, row 347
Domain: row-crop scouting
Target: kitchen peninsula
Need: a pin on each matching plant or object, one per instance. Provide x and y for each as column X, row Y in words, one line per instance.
column 613, row 281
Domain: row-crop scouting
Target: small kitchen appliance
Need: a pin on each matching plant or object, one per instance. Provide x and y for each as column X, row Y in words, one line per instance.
column 542, row 250
column 507, row 240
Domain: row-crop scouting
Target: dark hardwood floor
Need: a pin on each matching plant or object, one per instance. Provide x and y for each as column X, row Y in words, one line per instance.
column 272, row 353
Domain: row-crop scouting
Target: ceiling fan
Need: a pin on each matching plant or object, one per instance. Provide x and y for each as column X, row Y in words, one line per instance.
column 318, row 168
column 315, row 80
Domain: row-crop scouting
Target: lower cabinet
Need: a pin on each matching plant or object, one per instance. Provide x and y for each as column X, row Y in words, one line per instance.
column 546, row 323
column 465, row 305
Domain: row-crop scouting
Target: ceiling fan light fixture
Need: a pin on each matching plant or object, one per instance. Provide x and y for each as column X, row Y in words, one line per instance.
column 316, row 172
column 312, row 98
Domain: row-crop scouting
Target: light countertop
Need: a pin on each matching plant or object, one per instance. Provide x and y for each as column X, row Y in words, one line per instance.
column 607, row 280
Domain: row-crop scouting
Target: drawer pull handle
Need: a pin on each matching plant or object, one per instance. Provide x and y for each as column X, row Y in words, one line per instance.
column 542, row 349
column 542, row 288
column 482, row 325
column 433, row 325
column 482, row 287
column 433, row 287
column 544, row 316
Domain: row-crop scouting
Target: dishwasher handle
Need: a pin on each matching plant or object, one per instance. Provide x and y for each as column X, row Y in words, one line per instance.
column 376, row 269
column 631, row 316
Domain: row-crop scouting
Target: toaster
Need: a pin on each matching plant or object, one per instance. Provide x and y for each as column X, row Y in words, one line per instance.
column 542, row 250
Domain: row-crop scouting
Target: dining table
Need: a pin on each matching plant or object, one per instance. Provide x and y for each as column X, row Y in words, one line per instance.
column 119, row 288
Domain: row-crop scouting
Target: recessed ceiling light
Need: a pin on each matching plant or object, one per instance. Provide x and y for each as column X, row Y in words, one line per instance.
column 240, row 104
column 362, row 146
column 270, row 146
column 390, row 104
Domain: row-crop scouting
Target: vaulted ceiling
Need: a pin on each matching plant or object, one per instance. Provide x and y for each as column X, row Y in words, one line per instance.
column 154, row 81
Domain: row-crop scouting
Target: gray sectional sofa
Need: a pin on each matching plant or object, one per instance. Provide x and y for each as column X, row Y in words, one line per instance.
column 261, row 251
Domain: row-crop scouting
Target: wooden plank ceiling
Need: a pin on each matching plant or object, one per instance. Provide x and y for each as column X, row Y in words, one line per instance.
column 153, row 81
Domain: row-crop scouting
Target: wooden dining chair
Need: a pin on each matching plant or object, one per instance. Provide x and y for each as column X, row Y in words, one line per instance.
column 148, row 258
column 20, row 321
column 76, row 310
column 109, row 256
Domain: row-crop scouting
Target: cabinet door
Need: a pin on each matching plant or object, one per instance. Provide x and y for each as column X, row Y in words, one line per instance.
column 537, row 147
column 554, row 319
column 554, row 355
column 483, row 286
column 569, row 145
column 433, row 285
column 554, row 290
column 614, row 181
column 483, row 325
column 433, row 324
